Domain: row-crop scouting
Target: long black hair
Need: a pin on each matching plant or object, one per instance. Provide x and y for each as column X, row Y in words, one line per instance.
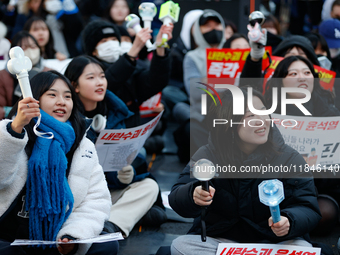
column 225, row 137
column 281, row 72
column 316, row 39
column 49, row 52
column 76, row 67
column 41, row 83
column 107, row 11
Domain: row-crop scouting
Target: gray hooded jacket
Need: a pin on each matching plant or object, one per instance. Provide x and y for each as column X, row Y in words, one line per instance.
column 194, row 65
column 198, row 55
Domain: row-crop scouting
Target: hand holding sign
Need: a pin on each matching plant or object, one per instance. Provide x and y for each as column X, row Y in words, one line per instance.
column 65, row 248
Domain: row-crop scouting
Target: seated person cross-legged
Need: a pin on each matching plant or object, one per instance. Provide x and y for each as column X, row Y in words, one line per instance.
column 234, row 212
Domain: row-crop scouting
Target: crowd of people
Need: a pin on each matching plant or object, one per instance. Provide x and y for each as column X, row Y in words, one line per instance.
column 55, row 189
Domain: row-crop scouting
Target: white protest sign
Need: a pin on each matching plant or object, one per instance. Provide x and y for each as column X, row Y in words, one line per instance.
column 54, row 64
column 315, row 138
column 99, row 239
column 165, row 199
column 265, row 249
column 58, row 65
column 119, row 147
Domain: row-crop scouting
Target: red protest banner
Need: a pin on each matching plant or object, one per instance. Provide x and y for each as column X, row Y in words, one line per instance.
column 224, row 65
column 146, row 109
column 327, row 77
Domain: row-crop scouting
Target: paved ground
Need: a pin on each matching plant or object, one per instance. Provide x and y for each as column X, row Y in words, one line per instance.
column 147, row 241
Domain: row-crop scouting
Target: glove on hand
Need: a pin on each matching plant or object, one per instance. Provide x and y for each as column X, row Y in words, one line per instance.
column 257, row 41
column 125, row 175
column 69, row 7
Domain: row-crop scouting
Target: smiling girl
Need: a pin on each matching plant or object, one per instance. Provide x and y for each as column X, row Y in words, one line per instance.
column 50, row 189
column 234, row 211
column 298, row 72
column 133, row 195
column 38, row 28
column 9, row 88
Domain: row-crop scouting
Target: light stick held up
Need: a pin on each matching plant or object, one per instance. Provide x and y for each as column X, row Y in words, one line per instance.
column 133, row 21
column 147, row 11
column 169, row 13
column 271, row 194
column 19, row 65
column 204, row 170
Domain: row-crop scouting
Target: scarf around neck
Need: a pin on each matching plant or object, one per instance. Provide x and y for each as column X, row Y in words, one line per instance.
column 49, row 199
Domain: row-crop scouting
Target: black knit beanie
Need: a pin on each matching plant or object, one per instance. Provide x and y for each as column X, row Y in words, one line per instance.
column 96, row 31
column 123, row 31
column 299, row 41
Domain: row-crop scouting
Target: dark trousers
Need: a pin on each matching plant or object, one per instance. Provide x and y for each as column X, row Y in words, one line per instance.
column 108, row 248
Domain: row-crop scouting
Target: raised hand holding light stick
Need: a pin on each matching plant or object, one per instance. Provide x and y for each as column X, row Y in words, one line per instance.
column 203, row 170
column 147, row 11
column 133, row 21
column 256, row 19
column 271, row 194
column 19, row 65
column 257, row 36
column 169, row 13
